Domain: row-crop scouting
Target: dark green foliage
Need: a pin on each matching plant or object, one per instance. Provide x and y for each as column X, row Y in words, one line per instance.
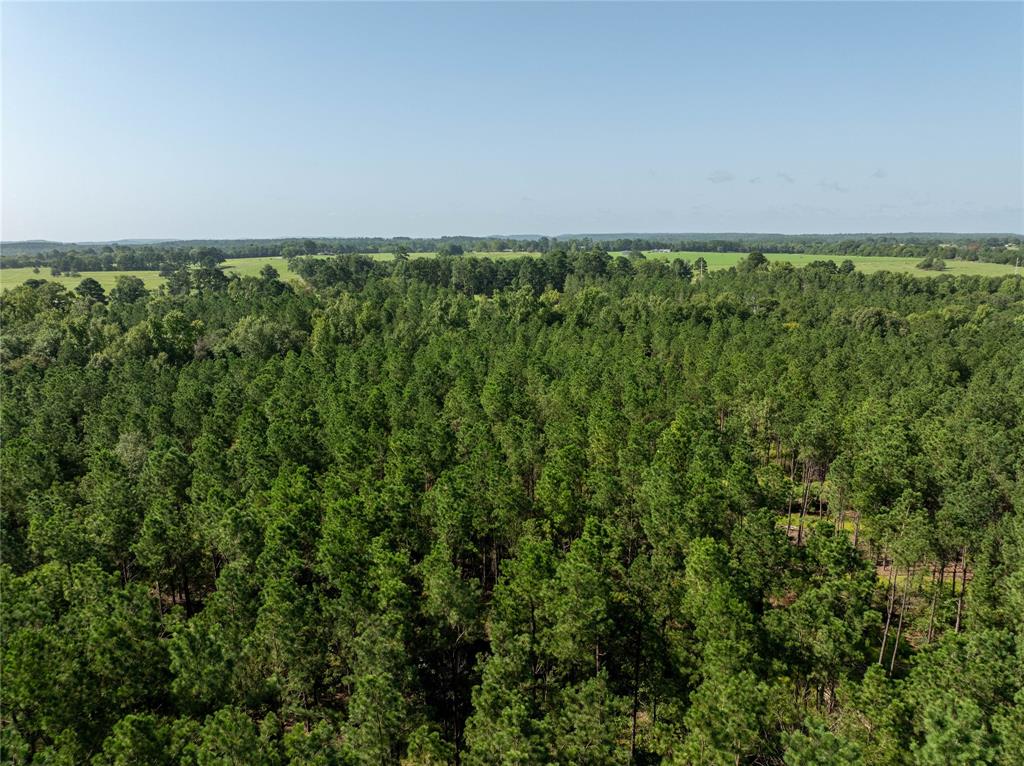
column 754, row 261
column 573, row 509
column 91, row 291
column 128, row 290
column 932, row 263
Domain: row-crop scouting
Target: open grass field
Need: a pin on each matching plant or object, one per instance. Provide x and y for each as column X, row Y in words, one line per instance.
column 15, row 277
column 250, row 267
column 244, row 267
column 868, row 265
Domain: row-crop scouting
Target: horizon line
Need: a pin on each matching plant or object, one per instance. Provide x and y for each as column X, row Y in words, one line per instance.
column 521, row 236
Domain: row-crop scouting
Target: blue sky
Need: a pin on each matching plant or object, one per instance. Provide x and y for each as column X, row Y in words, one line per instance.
column 229, row 120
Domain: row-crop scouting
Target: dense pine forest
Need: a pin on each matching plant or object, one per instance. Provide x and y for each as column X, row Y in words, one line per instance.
column 563, row 509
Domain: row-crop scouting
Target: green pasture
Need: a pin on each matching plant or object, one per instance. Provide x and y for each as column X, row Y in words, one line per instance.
column 251, row 267
column 867, row 264
column 108, row 279
column 243, row 267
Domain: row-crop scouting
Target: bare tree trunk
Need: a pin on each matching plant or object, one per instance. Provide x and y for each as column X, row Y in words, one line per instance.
column 636, row 696
column 533, row 654
column 963, row 587
column 899, row 626
column 935, row 600
column 956, row 568
column 789, row 511
column 187, row 590
column 942, row 585
column 803, row 507
column 890, row 594
column 821, row 490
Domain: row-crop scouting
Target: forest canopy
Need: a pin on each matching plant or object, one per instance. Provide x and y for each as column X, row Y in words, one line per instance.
column 567, row 509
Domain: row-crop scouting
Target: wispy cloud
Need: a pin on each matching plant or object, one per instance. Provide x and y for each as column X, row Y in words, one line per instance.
column 776, row 211
column 833, row 186
column 880, row 173
column 786, row 177
column 721, row 177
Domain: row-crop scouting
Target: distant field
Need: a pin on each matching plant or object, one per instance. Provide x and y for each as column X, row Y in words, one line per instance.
column 15, row 277
column 250, row 267
column 245, row 267
column 868, row 265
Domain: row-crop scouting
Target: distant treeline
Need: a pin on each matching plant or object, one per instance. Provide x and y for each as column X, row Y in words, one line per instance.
column 161, row 258
column 173, row 255
column 912, row 237
column 483, row 276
